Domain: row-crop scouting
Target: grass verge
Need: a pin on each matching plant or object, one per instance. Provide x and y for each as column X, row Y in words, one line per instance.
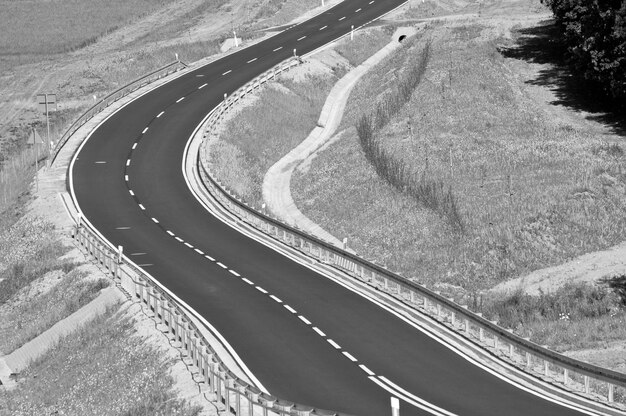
column 102, row 369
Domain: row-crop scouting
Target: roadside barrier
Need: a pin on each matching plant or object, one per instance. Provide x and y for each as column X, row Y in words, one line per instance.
column 113, row 97
column 589, row 381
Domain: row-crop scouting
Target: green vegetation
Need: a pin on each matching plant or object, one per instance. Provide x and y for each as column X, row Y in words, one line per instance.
column 595, row 37
column 102, row 369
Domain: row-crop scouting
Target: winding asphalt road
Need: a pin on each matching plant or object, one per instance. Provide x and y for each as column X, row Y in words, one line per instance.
column 306, row 338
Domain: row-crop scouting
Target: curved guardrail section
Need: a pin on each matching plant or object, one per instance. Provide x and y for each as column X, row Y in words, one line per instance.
column 593, row 382
column 113, row 97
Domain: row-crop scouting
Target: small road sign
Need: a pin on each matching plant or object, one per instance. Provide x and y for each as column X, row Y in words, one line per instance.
column 47, row 102
column 34, row 138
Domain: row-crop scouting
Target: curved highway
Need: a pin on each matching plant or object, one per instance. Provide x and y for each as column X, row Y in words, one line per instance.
column 304, row 337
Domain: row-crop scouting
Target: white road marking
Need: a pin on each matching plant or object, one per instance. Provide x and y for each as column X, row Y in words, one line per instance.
column 342, row 18
column 277, row 49
column 411, row 398
column 180, row 240
column 357, row 10
column 128, row 162
column 334, row 344
column 160, row 114
column 289, row 308
column 122, row 228
column 367, row 370
column 260, row 289
column 145, row 265
column 247, row 281
column 276, row 299
column 126, row 178
column 138, row 254
column 234, row 273
column 209, row 257
column 180, row 99
column 200, row 252
column 134, row 145
column 100, row 162
column 142, row 207
column 323, row 27
column 299, row 39
column 371, row 2
column 155, row 220
column 227, row 72
column 188, row 245
column 319, row 331
column 144, row 130
column 350, row 357
column 251, row 60
column 203, row 85
column 303, row 319
column 170, row 233
column 222, row 265
column 130, row 191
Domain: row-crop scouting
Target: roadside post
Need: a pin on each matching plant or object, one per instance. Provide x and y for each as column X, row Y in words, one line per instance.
column 47, row 103
column 395, row 406
column 35, row 140
column 352, row 32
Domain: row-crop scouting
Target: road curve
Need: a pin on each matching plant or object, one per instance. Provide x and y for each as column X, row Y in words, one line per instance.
column 306, row 338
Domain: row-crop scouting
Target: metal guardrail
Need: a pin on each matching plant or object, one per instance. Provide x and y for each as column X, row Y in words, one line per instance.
column 593, row 382
column 113, row 97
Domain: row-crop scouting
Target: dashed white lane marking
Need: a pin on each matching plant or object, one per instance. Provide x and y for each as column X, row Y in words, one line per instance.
column 100, row 162
column 303, row 319
column 260, row 289
column 138, row 254
column 222, row 265
column 234, row 273
column 155, row 220
column 122, row 228
column 251, row 60
column 227, row 72
column 209, row 257
column 126, row 178
column 200, row 252
column 134, row 145
column 299, row 39
column 289, row 308
column 130, row 191
column 170, row 233
column 276, row 299
column 319, row 331
column 142, row 207
column 128, row 162
column 367, row 370
column 342, row 18
column 277, row 49
column 180, row 99
column 145, row 265
column 180, row 240
column 247, row 281
column 160, row 114
column 323, row 27
column 203, row 85
column 357, row 10
column 144, row 130
column 188, row 245
column 334, row 344
column 371, row 2
column 350, row 357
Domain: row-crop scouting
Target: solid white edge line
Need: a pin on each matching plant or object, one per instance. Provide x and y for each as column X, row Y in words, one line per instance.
column 248, row 281
column 367, row 370
column 276, row 299
column 417, row 399
column 349, row 356
column 319, row 331
column 303, row 319
column 290, row 309
column 160, row 114
column 234, row 273
column 260, row 289
column 405, row 398
column 334, row 344
column 222, row 265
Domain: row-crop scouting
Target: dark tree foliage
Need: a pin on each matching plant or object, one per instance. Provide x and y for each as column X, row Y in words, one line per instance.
column 595, row 36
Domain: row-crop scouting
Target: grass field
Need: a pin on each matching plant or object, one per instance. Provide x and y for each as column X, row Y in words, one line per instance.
column 532, row 192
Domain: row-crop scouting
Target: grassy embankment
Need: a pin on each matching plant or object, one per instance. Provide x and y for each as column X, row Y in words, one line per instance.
column 530, row 191
column 251, row 143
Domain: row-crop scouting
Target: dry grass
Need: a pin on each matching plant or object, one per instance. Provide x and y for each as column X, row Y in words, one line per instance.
column 251, row 144
column 102, row 369
column 365, row 44
column 532, row 192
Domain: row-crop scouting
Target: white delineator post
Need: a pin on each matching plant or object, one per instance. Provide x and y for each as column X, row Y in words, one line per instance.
column 352, row 32
column 395, row 406
column 235, row 37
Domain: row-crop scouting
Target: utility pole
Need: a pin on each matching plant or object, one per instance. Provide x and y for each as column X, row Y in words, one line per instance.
column 47, row 103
